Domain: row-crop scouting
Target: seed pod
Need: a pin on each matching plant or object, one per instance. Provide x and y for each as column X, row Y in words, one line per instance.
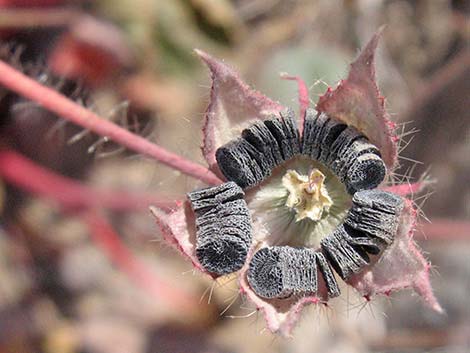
column 259, row 136
column 265, row 273
column 222, row 255
column 281, row 271
column 332, row 129
column 380, row 200
column 277, row 129
column 376, row 213
column 357, row 238
column 348, row 155
column 219, row 223
column 241, row 222
column 313, row 134
column 345, row 258
column 307, row 136
column 323, row 135
column 223, row 227
column 328, row 276
column 261, row 159
column 342, row 143
column 299, row 270
column 367, row 172
column 237, row 160
column 376, row 224
column 207, row 198
column 292, row 132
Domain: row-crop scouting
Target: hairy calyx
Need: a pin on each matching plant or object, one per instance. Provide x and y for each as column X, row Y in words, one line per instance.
column 308, row 196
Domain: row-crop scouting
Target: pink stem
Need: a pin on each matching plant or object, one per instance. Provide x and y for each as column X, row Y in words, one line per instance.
column 304, row 101
column 73, row 112
column 444, row 229
column 407, row 188
column 25, row 174
column 12, row 18
column 104, row 235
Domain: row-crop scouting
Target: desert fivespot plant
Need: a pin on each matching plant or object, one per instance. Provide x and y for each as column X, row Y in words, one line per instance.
column 305, row 197
column 292, row 199
column 306, row 200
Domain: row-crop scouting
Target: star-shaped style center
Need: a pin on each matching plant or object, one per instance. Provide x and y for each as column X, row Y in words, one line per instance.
column 308, row 196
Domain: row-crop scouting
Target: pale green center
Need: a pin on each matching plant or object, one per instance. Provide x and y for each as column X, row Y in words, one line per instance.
column 308, row 196
column 301, row 203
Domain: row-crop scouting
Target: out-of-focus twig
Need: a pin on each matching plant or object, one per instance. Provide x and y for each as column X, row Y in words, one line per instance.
column 40, row 17
column 25, row 174
column 75, row 113
column 423, row 340
column 104, row 236
column 444, row 229
column 454, row 68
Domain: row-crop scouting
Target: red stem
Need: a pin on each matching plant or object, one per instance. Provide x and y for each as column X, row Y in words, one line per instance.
column 13, row 18
column 73, row 112
column 444, row 229
column 25, row 174
column 406, row 188
column 304, row 101
column 104, row 235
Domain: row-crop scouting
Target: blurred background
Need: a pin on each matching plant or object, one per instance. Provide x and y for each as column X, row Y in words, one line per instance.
column 82, row 266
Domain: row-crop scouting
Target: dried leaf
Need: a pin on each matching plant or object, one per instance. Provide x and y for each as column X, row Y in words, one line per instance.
column 232, row 103
column 401, row 266
column 357, row 102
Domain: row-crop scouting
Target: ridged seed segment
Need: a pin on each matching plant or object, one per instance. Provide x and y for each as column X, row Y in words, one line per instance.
column 292, row 131
column 250, row 159
column 328, row 276
column 307, row 135
column 341, row 144
column 223, row 227
column 356, row 238
column 376, row 224
column 367, row 172
column 299, row 270
column 205, row 199
column 347, row 156
column 380, row 200
column 222, row 255
column 282, row 271
column 237, row 160
column 265, row 273
column 345, row 258
column 260, row 159
column 332, row 129
column 376, row 213
column 259, row 136
column 278, row 130
column 326, row 125
column 313, row 134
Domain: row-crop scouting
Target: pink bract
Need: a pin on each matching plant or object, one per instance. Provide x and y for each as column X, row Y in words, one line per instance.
column 232, row 105
column 357, row 102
